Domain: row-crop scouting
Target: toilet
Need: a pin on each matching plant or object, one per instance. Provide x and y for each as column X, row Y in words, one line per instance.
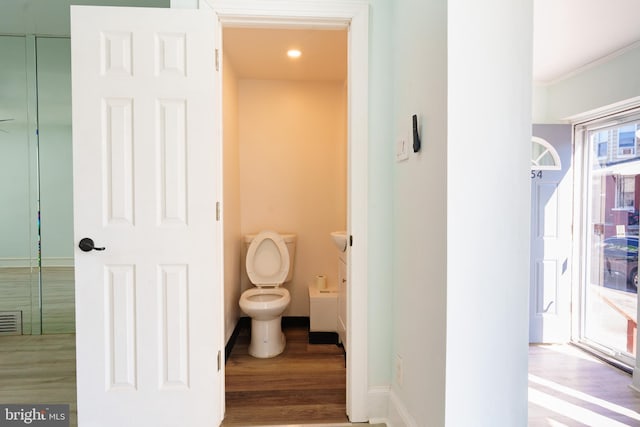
column 269, row 264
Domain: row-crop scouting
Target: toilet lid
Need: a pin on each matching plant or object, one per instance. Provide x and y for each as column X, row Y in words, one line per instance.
column 267, row 259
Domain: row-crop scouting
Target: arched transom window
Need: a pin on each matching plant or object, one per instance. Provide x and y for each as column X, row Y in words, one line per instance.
column 543, row 155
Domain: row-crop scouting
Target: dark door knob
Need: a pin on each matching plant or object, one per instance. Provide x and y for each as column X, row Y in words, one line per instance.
column 86, row 245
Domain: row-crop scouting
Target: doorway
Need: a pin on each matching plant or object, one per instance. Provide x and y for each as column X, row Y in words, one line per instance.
column 284, row 169
column 355, row 17
column 551, row 188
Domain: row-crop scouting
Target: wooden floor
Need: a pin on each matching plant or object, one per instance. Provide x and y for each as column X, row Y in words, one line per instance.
column 303, row 385
column 568, row 387
column 20, row 291
column 39, row 369
column 58, row 300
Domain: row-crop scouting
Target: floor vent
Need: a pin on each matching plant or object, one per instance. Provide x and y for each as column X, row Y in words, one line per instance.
column 10, row 323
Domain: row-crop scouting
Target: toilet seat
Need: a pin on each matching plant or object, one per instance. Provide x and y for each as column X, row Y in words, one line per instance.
column 264, row 299
column 267, row 261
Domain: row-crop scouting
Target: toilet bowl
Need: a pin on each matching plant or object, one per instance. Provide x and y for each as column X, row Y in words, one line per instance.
column 269, row 265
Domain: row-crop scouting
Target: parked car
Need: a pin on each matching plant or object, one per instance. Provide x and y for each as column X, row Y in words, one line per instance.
column 621, row 257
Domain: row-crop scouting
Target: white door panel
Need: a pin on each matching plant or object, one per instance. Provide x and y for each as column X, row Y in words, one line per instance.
column 551, row 213
column 146, row 181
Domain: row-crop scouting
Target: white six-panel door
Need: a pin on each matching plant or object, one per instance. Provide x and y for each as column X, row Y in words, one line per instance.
column 146, row 181
column 551, row 215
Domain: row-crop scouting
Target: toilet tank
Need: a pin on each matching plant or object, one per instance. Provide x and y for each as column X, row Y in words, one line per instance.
column 289, row 240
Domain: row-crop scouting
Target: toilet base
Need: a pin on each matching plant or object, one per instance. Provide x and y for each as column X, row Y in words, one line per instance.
column 267, row 339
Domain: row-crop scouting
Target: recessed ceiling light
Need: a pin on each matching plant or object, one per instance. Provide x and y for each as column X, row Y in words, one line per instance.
column 294, row 53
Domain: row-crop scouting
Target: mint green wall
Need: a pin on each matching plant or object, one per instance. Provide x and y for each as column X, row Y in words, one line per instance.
column 54, row 119
column 51, row 17
column 21, row 150
column 419, row 250
column 17, row 157
column 613, row 81
column 380, row 213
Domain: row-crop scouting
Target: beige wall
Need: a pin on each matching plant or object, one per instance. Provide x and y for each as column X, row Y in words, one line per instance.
column 292, row 140
column 231, row 197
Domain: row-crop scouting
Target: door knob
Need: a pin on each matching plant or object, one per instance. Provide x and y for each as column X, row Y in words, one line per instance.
column 86, row 245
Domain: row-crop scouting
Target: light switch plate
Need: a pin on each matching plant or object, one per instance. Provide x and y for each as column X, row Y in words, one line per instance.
column 402, row 148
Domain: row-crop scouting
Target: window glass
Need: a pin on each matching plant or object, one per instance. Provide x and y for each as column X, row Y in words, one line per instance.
column 611, row 176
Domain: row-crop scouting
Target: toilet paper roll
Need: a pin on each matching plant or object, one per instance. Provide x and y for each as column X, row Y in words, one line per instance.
column 321, row 282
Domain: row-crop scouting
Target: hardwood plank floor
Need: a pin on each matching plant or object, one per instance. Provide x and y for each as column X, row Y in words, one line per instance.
column 568, row 387
column 39, row 369
column 19, row 291
column 58, row 300
column 305, row 384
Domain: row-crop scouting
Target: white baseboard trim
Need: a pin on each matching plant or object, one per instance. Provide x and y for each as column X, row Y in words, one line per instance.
column 18, row 262
column 378, row 404
column 57, row 262
column 386, row 407
column 398, row 416
column 33, row 262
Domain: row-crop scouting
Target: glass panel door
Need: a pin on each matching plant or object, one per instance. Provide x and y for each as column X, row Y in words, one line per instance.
column 611, row 206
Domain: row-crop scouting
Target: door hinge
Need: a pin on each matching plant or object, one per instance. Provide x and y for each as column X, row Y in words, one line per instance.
column 217, row 211
column 219, row 360
column 217, row 60
column 350, row 240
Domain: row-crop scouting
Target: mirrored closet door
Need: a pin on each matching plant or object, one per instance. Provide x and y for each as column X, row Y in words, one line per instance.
column 36, row 215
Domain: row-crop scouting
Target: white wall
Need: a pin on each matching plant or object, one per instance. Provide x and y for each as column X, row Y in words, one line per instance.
column 606, row 83
column 488, row 199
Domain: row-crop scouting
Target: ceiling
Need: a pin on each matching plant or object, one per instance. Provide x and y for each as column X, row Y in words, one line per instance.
column 571, row 34
column 262, row 53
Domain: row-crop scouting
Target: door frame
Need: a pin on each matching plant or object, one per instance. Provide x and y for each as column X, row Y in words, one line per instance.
column 327, row 14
